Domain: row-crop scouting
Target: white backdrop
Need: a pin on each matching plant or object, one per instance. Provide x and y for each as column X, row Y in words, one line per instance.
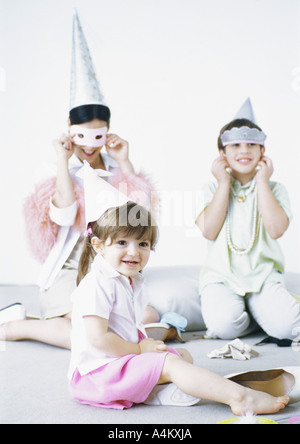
column 173, row 73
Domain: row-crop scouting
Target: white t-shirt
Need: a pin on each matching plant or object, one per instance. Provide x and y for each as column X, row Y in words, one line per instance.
column 105, row 293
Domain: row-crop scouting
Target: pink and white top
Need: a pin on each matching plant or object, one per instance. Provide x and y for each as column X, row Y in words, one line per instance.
column 105, row 293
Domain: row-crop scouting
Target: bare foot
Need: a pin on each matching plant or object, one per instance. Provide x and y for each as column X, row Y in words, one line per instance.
column 258, row 403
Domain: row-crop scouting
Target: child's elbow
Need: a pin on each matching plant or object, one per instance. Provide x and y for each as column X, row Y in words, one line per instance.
column 209, row 235
column 274, row 236
column 277, row 232
column 206, row 230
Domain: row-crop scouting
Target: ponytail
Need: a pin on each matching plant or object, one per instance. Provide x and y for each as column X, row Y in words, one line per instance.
column 87, row 256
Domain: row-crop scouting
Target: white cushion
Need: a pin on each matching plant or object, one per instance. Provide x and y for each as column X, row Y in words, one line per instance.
column 176, row 289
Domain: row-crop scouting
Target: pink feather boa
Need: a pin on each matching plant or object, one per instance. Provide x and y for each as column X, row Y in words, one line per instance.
column 42, row 232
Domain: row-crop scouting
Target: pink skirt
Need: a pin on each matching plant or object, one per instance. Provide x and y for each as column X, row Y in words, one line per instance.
column 121, row 383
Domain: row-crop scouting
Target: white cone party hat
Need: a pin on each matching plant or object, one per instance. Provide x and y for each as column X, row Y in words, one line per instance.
column 99, row 194
column 85, row 87
column 246, row 112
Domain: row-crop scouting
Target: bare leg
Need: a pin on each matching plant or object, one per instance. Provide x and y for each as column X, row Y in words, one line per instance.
column 204, row 384
column 54, row 331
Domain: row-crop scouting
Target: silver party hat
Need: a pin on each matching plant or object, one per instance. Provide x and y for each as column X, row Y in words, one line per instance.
column 85, row 87
column 246, row 112
column 244, row 134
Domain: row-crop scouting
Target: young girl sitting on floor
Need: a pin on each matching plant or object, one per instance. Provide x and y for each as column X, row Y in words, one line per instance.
column 242, row 215
column 113, row 363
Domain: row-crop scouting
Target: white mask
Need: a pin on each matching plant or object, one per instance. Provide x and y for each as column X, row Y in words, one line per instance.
column 93, row 138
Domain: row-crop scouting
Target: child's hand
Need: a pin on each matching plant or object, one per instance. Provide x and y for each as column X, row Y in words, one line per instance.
column 265, row 170
column 64, row 147
column 149, row 345
column 219, row 169
column 117, row 148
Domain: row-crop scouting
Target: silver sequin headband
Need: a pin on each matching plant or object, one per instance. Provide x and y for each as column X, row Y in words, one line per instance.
column 243, row 134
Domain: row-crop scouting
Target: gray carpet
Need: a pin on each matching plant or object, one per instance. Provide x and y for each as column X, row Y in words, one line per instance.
column 34, row 386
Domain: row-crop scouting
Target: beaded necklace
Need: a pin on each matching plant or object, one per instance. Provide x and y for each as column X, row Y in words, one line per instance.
column 255, row 222
column 242, row 198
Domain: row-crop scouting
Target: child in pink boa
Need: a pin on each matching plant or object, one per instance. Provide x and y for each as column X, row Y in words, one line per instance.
column 55, row 220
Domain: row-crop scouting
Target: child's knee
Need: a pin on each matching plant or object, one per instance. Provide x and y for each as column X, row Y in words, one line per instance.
column 150, row 315
column 185, row 354
column 229, row 325
column 285, row 327
column 166, row 374
column 276, row 311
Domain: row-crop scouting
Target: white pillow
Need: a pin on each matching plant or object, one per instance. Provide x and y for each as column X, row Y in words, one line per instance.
column 175, row 289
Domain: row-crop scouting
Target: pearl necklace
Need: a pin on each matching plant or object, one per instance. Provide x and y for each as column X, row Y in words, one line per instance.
column 255, row 229
column 240, row 198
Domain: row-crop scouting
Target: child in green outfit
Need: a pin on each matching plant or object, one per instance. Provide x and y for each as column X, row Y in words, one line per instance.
column 242, row 215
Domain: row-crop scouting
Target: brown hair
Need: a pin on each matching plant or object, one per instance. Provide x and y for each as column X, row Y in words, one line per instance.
column 237, row 123
column 130, row 220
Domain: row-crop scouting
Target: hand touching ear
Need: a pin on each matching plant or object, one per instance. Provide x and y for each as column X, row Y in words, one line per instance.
column 219, row 169
column 64, row 146
column 118, row 149
column 265, row 171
